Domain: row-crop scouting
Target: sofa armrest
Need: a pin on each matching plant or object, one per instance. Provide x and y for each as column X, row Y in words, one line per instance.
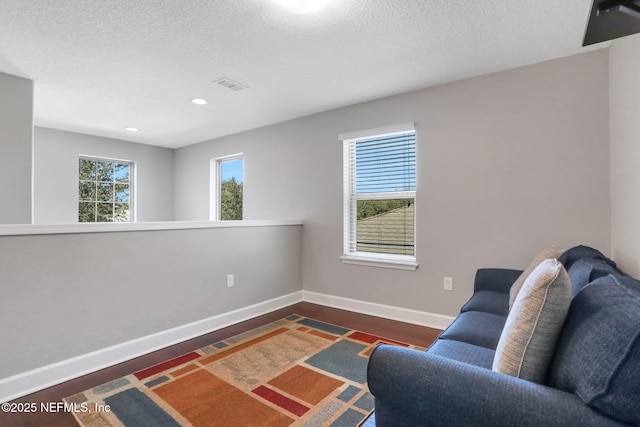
column 414, row 388
column 495, row 279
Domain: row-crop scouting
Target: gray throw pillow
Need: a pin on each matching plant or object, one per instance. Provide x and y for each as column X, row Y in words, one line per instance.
column 528, row 340
column 546, row 253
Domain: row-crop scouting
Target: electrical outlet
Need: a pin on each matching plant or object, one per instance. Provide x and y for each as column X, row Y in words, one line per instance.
column 229, row 280
column 448, row 283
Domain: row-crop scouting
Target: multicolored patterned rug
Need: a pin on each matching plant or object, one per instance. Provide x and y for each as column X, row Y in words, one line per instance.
column 293, row 372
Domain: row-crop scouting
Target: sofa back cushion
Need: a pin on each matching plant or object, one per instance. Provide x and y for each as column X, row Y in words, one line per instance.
column 528, row 340
column 598, row 353
column 586, row 270
column 577, row 253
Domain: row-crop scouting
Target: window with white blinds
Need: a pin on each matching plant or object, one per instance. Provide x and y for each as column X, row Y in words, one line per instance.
column 379, row 195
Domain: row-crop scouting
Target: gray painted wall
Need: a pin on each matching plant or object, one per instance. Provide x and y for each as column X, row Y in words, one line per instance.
column 67, row 295
column 625, row 152
column 16, row 148
column 508, row 163
column 56, row 175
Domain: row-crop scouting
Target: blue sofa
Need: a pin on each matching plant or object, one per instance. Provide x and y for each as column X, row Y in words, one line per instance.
column 593, row 380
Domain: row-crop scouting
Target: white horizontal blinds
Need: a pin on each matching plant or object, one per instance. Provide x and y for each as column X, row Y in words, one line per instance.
column 380, row 184
column 386, row 164
column 390, row 232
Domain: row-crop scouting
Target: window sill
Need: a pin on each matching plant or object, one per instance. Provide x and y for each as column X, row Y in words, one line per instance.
column 396, row 264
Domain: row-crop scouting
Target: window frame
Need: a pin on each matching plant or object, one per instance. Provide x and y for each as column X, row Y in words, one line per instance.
column 215, row 185
column 351, row 197
column 132, row 187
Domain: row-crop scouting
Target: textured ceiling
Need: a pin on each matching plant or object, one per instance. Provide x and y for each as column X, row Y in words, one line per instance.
column 100, row 66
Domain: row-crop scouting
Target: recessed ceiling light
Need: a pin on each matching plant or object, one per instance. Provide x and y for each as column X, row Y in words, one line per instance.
column 302, row 6
column 130, row 129
column 199, row 101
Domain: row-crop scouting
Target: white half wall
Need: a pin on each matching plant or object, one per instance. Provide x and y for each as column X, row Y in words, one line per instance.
column 508, row 163
column 625, row 152
column 56, row 156
column 69, row 295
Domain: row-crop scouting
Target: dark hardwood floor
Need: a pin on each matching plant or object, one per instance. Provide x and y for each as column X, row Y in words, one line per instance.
column 399, row 331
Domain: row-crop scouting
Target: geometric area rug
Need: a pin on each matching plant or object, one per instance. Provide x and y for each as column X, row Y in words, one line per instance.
column 295, row 371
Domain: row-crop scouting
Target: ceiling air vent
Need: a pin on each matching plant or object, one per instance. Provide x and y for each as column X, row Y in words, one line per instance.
column 230, row 84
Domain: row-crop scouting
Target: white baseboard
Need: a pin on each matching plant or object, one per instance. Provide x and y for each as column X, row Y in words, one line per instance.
column 407, row 315
column 40, row 378
column 37, row 379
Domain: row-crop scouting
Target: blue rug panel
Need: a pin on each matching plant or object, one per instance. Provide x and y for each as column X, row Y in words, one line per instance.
column 332, row 329
column 136, row 409
column 342, row 359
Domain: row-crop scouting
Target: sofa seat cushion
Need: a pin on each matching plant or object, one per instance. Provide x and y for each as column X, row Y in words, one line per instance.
column 530, row 334
column 488, row 302
column 598, row 353
column 463, row 352
column 477, row 328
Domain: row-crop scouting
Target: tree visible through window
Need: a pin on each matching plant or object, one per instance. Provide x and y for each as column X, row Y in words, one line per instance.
column 104, row 190
column 231, row 186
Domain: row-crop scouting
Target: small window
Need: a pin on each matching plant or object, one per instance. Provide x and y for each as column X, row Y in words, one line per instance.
column 104, row 190
column 228, row 188
column 379, row 196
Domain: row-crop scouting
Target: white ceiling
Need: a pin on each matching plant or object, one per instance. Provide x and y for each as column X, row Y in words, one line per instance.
column 102, row 65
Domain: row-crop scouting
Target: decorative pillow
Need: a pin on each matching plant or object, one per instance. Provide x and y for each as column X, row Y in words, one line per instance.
column 598, row 354
column 528, row 339
column 546, row 253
